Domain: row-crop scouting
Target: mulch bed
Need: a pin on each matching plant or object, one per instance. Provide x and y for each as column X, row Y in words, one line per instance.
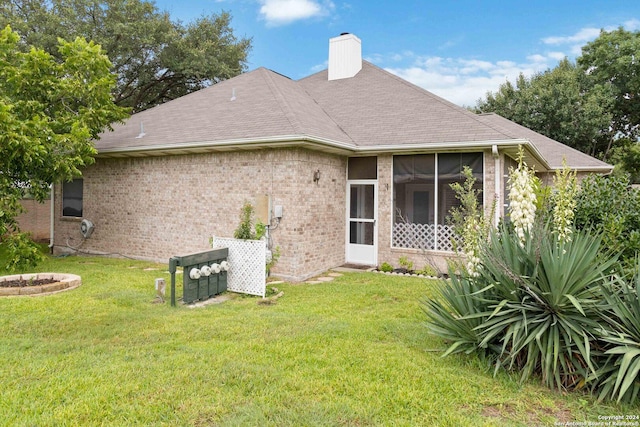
column 21, row 283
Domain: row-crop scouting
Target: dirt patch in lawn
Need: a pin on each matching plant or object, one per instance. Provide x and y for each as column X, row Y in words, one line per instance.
column 505, row 413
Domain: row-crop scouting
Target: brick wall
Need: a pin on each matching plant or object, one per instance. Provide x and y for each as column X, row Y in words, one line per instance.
column 157, row 207
column 36, row 219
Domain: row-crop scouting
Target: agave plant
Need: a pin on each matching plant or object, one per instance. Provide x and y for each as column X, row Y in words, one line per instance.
column 619, row 375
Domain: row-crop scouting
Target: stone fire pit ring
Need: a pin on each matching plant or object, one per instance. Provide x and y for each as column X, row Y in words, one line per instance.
column 63, row 282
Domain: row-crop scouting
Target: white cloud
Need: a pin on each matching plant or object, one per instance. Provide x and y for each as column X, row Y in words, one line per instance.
column 559, row 56
column 282, row 12
column 537, row 58
column 449, row 84
column 319, row 67
column 583, row 36
column 464, row 81
column 632, row 25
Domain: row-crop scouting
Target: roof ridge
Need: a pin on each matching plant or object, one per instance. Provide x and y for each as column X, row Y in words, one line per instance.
column 289, row 113
column 417, row 88
column 496, row 127
column 440, row 100
column 326, row 113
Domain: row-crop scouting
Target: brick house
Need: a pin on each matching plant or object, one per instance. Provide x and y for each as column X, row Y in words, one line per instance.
column 356, row 161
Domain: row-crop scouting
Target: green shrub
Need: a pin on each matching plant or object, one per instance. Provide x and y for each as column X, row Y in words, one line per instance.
column 246, row 229
column 470, row 224
column 405, row 263
column 386, row 267
column 21, row 252
column 547, row 307
column 545, row 296
column 611, row 206
column 428, row 270
column 457, row 313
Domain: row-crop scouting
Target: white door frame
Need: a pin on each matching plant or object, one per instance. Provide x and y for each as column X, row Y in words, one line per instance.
column 366, row 254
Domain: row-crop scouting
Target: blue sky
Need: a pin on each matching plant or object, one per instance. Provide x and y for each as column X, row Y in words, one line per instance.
column 456, row 49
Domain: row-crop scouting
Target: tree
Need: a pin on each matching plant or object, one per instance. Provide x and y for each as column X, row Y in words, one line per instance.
column 50, row 112
column 557, row 103
column 593, row 106
column 156, row 59
column 612, row 60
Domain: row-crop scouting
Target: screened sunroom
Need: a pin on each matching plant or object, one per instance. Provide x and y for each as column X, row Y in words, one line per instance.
column 423, row 198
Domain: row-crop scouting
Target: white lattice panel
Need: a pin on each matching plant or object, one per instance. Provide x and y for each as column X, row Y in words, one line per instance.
column 415, row 236
column 422, row 236
column 445, row 237
column 247, row 259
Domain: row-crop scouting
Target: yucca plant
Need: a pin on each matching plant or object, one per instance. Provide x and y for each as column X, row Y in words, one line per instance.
column 547, row 305
column 456, row 312
column 534, row 306
column 619, row 375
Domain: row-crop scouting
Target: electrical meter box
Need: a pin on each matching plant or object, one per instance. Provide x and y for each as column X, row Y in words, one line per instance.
column 204, row 275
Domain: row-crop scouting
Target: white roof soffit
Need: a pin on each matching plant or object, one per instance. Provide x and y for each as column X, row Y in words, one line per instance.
column 509, row 145
column 300, row 140
column 229, row 145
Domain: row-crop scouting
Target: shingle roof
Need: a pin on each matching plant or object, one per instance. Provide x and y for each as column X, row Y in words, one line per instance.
column 371, row 111
column 266, row 105
column 378, row 108
column 551, row 150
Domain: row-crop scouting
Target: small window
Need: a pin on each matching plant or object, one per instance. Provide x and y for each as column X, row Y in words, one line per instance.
column 363, row 168
column 72, row 198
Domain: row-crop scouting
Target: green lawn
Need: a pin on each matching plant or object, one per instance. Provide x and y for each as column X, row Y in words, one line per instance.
column 352, row 352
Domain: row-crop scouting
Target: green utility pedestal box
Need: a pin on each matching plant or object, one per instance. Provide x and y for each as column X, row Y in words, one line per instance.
column 204, row 275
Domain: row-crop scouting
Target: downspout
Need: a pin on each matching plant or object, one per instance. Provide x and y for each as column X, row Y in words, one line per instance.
column 497, row 178
column 51, row 227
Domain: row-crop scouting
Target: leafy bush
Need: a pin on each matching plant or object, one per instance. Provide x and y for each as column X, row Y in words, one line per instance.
column 427, row 270
column 611, row 206
column 547, row 296
column 468, row 220
column 458, row 313
column 386, row 267
column 22, row 252
column 405, row 263
column 547, row 304
column 246, row 229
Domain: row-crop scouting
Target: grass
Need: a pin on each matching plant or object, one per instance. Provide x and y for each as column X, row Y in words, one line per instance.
column 352, row 352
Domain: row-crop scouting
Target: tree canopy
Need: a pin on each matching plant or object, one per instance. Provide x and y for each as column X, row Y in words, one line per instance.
column 592, row 105
column 613, row 60
column 155, row 58
column 51, row 109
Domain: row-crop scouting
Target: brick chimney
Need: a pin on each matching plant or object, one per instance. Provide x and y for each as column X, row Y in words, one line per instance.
column 345, row 56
